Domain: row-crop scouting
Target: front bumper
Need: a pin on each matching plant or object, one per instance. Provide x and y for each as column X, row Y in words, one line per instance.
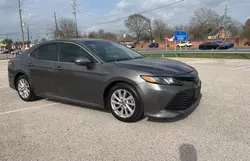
column 175, row 113
column 168, row 101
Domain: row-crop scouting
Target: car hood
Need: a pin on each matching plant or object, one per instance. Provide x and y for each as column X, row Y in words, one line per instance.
column 157, row 66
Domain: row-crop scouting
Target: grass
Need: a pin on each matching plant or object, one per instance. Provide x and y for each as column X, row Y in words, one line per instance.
column 5, row 58
column 202, row 55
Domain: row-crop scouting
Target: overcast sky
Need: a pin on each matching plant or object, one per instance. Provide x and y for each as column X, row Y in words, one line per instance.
column 38, row 14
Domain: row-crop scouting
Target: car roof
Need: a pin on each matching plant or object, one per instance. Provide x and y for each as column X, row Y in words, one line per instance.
column 72, row 40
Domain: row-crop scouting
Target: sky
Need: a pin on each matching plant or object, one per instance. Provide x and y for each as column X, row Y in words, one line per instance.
column 38, row 15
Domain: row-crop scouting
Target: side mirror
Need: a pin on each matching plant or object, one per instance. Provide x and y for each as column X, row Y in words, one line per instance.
column 82, row 61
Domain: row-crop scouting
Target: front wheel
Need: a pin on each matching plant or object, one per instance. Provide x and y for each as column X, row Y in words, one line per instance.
column 24, row 89
column 124, row 103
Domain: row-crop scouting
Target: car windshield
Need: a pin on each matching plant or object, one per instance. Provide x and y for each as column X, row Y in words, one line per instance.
column 110, row 51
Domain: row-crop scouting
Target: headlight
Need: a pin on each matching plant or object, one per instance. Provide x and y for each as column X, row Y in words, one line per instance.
column 161, row 80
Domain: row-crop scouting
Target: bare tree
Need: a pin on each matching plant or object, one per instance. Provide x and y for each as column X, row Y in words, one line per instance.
column 246, row 30
column 202, row 23
column 137, row 24
column 101, row 34
column 93, row 35
column 66, row 28
column 206, row 21
column 158, row 29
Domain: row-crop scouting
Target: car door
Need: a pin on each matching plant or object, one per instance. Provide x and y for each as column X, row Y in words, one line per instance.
column 41, row 65
column 77, row 82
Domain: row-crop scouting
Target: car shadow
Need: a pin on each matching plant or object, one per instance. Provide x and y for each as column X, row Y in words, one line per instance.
column 187, row 152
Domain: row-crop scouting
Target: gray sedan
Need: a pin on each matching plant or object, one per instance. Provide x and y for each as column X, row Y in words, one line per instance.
column 106, row 74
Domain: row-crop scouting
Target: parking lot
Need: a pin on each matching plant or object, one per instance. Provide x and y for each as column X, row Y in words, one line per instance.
column 218, row 130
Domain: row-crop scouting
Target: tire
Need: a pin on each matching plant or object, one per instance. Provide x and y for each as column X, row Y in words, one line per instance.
column 28, row 97
column 137, row 109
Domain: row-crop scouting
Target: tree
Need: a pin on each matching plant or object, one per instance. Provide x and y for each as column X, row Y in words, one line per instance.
column 137, row 24
column 110, row 36
column 8, row 43
column 101, row 34
column 202, row 23
column 158, row 29
column 206, row 21
column 93, row 35
column 246, row 30
column 230, row 25
column 16, row 43
column 66, row 28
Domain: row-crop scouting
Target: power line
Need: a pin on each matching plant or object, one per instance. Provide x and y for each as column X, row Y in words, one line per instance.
column 121, row 18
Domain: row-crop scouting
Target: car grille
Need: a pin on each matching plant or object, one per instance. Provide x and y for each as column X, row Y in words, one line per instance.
column 184, row 99
column 188, row 79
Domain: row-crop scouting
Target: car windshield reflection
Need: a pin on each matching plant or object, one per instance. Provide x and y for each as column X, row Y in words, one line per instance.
column 110, row 51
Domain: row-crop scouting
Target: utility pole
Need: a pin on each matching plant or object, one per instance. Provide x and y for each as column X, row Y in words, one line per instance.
column 21, row 21
column 225, row 15
column 57, row 33
column 74, row 13
column 150, row 30
column 28, row 33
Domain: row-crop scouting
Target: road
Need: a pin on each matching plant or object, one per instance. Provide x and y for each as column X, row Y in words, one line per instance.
column 3, row 56
column 160, row 51
column 218, row 130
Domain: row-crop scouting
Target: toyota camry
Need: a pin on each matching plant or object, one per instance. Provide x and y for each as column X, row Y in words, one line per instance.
column 106, row 74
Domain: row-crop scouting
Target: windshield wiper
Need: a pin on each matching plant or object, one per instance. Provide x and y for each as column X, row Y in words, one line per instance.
column 123, row 59
column 139, row 57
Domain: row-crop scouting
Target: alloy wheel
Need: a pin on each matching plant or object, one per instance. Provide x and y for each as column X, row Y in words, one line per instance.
column 23, row 88
column 123, row 103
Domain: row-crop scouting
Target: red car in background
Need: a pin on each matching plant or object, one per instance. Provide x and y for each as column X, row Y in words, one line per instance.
column 247, row 43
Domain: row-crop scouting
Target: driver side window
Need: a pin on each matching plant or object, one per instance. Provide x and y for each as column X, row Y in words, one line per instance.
column 70, row 52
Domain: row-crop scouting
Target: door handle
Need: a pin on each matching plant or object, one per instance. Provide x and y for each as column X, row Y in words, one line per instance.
column 59, row 68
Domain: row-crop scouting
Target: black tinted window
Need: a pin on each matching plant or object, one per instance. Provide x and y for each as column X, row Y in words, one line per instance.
column 33, row 54
column 70, row 52
column 48, row 52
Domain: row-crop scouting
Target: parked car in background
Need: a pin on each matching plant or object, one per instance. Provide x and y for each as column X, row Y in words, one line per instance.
column 225, row 43
column 106, row 74
column 185, row 44
column 212, row 45
column 131, row 45
column 247, row 43
column 153, row 45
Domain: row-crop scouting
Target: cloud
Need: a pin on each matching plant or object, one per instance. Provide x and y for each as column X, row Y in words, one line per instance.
column 39, row 13
column 172, row 15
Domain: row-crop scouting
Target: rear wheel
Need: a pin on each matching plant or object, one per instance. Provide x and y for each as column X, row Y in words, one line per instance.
column 24, row 89
column 124, row 103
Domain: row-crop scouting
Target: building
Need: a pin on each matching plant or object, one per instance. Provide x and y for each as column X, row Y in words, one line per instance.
column 126, row 39
column 219, row 33
column 2, row 45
